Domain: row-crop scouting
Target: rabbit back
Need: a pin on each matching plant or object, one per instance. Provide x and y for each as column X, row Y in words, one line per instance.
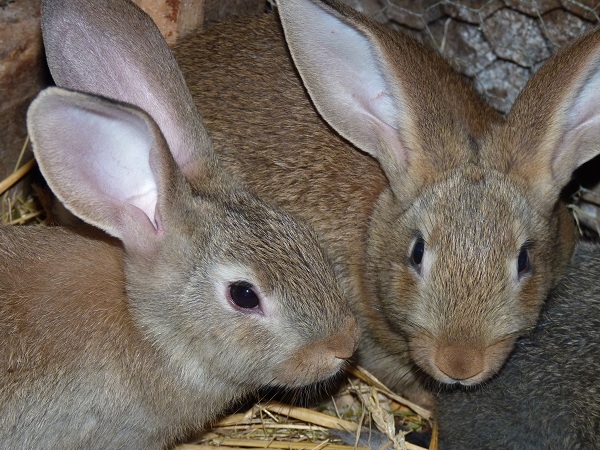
column 64, row 318
column 77, row 370
column 268, row 134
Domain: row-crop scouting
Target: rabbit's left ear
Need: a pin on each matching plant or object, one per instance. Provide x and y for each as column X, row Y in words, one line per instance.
column 385, row 93
column 554, row 126
column 347, row 77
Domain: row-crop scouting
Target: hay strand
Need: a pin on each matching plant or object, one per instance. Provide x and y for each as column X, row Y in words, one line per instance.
column 367, row 377
column 257, row 443
column 14, row 177
column 310, row 416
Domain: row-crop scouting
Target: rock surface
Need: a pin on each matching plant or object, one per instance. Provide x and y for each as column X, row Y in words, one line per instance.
column 498, row 44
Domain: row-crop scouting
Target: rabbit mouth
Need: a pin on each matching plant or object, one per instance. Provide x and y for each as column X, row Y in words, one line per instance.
column 311, row 371
column 321, row 359
column 313, row 363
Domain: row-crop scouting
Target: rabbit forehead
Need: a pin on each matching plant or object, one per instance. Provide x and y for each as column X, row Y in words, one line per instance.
column 284, row 252
column 472, row 213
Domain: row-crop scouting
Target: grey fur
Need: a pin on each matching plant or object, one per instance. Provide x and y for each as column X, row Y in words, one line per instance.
column 136, row 341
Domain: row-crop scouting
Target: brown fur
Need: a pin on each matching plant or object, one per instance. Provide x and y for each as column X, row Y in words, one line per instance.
column 476, row 185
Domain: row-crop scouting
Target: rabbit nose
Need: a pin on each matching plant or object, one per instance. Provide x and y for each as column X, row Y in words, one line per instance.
column 344, row 343
column 460, row 361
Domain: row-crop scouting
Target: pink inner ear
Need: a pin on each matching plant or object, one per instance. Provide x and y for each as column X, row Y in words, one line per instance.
column 111, row 48
column 96, row 156
column 344, row 73
column 345, row 60
column 114, row 161
column 583, row 124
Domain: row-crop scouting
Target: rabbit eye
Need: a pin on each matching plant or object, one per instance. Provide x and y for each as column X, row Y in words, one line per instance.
column 418, row 250
column 242, row 294
column 523, row 265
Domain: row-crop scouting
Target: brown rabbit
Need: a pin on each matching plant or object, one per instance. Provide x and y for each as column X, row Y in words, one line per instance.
column 210, row 295
column 447, row 248
column 446, row 243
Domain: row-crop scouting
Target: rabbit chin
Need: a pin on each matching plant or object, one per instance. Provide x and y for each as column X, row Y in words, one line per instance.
column 467, row 363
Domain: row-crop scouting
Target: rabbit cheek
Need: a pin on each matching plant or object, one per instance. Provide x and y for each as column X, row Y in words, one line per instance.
column 531, row 276
column 531, row 295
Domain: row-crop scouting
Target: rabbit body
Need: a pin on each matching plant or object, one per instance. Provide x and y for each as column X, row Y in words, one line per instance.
column 548, row 393
column 84, row 368
column 205, row 294
column 446, row 244
column 77, row 371
column 112, row 348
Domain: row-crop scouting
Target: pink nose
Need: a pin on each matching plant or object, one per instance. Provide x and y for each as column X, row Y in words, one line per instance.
column 459, row 361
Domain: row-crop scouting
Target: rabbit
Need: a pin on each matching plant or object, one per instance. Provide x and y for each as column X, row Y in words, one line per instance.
column 443, row 219
column 198, row 295
column 548, row 393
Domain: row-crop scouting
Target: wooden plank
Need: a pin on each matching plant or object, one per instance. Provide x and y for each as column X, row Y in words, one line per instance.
column 174, row 18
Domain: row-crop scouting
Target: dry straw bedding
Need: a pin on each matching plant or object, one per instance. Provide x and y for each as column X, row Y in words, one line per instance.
column 362, row 408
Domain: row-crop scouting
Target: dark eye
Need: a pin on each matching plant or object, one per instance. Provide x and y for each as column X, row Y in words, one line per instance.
column 523, row 265
column 418, row 250
column 242, row 294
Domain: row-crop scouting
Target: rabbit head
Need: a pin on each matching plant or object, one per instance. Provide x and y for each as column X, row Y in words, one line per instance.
column 224, row 284
column 470, row 235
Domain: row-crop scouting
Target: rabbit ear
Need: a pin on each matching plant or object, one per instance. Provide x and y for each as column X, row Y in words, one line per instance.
column 107, row 162
column 554, row 126
column 345, row 77
column 113, row 49
column 378, row 89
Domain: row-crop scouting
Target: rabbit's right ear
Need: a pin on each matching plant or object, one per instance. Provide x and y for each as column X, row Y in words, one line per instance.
column 380, row 90
column 107, row 162
column 113, row 49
